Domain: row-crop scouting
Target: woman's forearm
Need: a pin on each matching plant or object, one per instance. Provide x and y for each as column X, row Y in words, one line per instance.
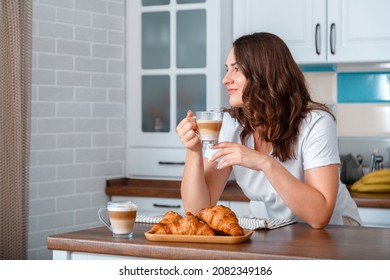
column 194, row 190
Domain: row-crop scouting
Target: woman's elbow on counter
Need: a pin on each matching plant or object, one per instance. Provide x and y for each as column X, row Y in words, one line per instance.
column 318, row 225
column 319, row 222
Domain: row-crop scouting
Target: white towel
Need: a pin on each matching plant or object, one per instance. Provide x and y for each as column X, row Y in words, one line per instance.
column 246, row 223
column 255, row 223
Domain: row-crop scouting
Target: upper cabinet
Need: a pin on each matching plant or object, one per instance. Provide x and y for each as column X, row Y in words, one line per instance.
column 300, row 23
column 358, row 30
column 175, row 62
column 320, row 31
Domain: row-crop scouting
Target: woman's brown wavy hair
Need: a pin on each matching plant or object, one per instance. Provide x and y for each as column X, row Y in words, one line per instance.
column 275, row 98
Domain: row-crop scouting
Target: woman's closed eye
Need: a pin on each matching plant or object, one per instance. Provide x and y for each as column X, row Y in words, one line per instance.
column 233, row 66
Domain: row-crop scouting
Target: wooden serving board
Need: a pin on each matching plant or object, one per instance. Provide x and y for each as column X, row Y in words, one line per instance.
column 199, row 238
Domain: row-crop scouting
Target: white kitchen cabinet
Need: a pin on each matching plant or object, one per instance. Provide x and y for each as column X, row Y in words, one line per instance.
column 375, row 217
column 321, row 31
column 300, row 23
column 359, row 30
column 162, row 163
column 78, row 256
column 175, row 62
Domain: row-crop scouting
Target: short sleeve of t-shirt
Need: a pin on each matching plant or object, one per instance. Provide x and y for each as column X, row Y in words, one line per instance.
column 319, row 140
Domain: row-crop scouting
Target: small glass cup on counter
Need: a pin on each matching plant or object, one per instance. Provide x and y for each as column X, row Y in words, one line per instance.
column 119, row 217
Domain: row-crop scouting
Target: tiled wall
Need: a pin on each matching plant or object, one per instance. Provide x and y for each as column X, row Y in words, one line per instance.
column 78, row 114
column 363, row 110
column 360, row 99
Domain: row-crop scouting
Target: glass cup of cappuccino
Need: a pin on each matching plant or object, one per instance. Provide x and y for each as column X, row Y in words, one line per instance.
column 119, row 217
column 209, row 124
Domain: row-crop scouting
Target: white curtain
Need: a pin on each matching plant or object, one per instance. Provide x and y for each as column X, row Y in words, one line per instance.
column 15, row 91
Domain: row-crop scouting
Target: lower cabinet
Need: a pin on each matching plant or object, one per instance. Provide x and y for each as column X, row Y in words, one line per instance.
column 375, row 217
column 78, row 256
column 155, row 163
column 154, row 206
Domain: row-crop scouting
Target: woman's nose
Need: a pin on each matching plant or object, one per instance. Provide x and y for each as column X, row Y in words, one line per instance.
column 226, row 79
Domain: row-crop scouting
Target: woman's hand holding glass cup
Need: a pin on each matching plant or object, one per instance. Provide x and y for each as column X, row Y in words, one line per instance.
column 200, row 129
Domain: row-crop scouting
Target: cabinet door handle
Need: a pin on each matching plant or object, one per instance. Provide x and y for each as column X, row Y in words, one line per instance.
column 171, row 162
column 333, row 38
column 165, row 205
column 318, row 38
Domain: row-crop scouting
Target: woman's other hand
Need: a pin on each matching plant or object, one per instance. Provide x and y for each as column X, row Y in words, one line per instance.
column 230, row 154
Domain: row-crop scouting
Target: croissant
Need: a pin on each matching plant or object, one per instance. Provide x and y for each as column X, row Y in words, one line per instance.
column 171, row 216
column 188, row 225
column 222, row 219
column 162, row 227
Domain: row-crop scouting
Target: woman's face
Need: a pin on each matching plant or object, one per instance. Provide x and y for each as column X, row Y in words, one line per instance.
column 234, row 80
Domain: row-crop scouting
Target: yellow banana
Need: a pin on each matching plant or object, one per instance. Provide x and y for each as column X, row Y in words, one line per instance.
column 359, row 186
column 377, row 177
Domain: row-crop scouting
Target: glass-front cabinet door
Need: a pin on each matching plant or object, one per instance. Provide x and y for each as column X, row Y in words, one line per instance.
column 175, row 62
column 174, row 65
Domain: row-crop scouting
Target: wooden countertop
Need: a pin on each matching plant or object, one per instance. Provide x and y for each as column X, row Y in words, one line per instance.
column 232, row 192
column 296, row 241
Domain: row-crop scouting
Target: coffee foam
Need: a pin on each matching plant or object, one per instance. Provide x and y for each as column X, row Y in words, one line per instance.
column 122, row 207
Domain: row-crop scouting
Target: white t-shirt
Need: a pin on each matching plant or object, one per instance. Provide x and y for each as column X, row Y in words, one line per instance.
column 317, row 146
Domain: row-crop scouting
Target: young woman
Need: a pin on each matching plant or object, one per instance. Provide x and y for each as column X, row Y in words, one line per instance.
column 280, row 145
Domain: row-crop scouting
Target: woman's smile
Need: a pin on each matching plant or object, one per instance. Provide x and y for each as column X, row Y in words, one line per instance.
column 231, row 91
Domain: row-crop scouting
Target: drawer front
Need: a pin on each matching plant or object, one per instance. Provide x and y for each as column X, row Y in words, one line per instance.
column 155, row 163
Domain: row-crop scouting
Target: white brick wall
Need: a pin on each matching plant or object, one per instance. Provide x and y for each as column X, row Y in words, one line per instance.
column 78, row 114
